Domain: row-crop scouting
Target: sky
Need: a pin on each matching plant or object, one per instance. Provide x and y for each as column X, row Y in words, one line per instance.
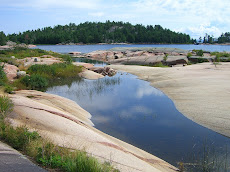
column 193, row 17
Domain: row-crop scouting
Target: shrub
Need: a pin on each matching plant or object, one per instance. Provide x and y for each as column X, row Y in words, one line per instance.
column 35, row 82
column 9, row 89
column 202, row 60
column 18, row 138
column 61, row 70
column 9, row 61
column 189, row 55
column 165, row 57
column 200, row 53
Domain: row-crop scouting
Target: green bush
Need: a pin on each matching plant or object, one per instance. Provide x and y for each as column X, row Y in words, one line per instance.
column 189, row 55
column 202, row 60
column 200, row 53
column 35, row 81
column 18, row 138
column 9, row 89
column 220, row 54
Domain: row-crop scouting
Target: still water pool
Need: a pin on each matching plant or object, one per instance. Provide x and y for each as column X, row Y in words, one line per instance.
column 130, row 109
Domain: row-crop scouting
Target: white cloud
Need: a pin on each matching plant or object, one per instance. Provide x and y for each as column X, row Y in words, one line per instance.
column 192, row 16
column 201, row 30
column 97, row 14
column 146, row 90
column 134, row 111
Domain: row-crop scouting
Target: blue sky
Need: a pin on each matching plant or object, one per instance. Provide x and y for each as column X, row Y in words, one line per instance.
column 194, row 17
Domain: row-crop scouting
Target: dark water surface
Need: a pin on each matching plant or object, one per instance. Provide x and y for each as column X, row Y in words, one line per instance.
column 95, row 62
column 90, row 48
column 135, row 112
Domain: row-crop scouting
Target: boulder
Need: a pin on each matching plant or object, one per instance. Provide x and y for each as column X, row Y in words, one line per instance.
column 118, row 55
column 110, row 55
column 97, row 55
column 21, row 74
column 75, row 53
column 175, row 60
column 138, row 53
column 13, row 57
column 104, row 71
column 147, row 53
column 35, row 59
column 128, row 53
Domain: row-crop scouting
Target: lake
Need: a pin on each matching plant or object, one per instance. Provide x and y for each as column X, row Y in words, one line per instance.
column 90, row 48
column 131, row 110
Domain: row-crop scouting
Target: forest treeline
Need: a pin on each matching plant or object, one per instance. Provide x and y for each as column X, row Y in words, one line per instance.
column 108, row 32
column 98, row 32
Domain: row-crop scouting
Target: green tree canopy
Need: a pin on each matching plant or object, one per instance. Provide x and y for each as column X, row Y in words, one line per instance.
column 98, row 32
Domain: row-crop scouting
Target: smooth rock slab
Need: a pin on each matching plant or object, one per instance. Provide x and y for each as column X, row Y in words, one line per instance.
column 87, row 74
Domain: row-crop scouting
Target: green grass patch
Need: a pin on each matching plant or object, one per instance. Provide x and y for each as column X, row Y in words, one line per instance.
column 9, row 60
column 42, row 76
column 160, row 64
column 57, row 70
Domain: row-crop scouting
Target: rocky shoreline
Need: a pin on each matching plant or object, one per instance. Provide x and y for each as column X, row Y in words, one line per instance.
column 147, row 56
column 65, row 123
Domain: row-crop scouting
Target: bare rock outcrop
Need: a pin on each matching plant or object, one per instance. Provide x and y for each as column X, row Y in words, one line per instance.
column 88, row 74
column 105, row 71
column 86, row 65
column 11, row 71
column 66, row 124
column 141, row 56
column 46, row 59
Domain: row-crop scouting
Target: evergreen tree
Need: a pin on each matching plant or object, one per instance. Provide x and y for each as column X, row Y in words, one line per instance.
column 2, row 38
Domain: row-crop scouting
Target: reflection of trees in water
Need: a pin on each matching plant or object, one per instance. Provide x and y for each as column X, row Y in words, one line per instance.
column 64, row 81
column 85, row 60
column 96, row 87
